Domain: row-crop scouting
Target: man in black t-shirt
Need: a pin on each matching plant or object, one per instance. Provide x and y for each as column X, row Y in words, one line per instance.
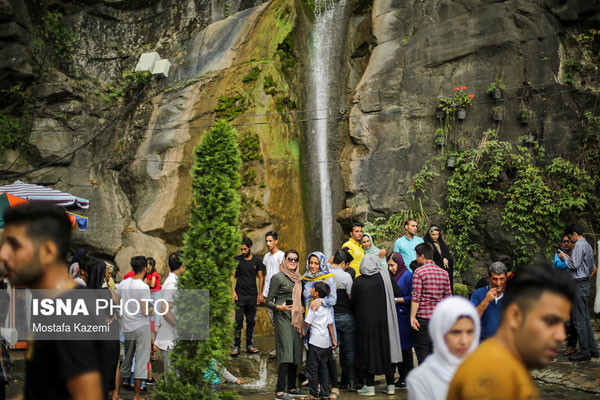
column 245, row 295
column 36, row 239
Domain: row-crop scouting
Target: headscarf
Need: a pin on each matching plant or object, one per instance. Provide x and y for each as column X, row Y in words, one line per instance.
column 323, row 274
column 440, row 245
column 401, row 266
column 374, row 250
column 370, row 266
column 445, row 314
column 78, row 255
column 96, row 274
column 297, row 311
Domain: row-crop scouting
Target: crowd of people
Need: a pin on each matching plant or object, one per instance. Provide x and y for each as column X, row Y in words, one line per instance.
column 379, row 308
column 370, row 308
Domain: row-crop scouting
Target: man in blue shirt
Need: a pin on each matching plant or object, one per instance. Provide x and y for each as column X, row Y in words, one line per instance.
column 407, row 243
column 488, row 299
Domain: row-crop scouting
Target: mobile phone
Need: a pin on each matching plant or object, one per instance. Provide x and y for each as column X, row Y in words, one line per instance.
column 289, row 302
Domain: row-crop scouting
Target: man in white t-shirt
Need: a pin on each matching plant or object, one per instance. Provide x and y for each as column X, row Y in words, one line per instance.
column 272, row 261
column 136, row 300
column 165, row 339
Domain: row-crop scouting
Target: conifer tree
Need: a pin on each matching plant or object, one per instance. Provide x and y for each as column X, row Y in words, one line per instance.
column 210, row 243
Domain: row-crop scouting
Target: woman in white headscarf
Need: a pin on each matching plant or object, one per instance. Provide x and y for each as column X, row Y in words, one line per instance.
column 454, row 328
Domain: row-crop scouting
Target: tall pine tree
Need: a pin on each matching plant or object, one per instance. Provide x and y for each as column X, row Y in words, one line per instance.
column 210, row 243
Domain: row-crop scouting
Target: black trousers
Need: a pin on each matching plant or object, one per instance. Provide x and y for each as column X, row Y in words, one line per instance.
column 422, row 341
column 286, row 372
column 317, row 368
column 370, row 379
column 244, row 307
column 406, row 365
column 332, row 369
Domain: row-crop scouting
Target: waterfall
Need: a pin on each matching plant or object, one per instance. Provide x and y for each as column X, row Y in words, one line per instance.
column 327, row 43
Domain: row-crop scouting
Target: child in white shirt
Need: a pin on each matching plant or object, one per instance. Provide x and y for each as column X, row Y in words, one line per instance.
column 321, row 340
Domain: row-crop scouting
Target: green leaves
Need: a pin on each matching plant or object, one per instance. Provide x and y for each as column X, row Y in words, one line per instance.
column 210, row 244
column 534, row 202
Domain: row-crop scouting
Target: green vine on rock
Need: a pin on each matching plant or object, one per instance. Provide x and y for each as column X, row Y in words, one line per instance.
column 55, row 41
column 534, row 203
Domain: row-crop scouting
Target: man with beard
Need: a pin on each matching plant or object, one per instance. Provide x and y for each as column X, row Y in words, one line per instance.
column 246, row 295
column 35, row 242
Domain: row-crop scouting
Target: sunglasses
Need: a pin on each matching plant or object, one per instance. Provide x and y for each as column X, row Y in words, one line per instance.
column 291, row 259
column 566, row 241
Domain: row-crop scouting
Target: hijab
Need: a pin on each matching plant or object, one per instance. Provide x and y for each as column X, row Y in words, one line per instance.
column 323, row 274
column 96, row 274
column 374, row 250
column 369, row 266
column 445, row 314
column 294, row 276
column 401, row 266
column 440, row 245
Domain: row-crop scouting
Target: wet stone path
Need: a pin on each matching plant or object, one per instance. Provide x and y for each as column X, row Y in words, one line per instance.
column 561, row 380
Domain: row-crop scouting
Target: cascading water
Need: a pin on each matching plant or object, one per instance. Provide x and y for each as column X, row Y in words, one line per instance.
column 327, row 43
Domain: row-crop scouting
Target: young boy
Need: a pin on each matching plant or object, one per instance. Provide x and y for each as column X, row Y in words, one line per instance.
column 321, row 340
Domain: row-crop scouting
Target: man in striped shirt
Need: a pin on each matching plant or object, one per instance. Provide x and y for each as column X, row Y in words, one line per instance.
column 431, row 284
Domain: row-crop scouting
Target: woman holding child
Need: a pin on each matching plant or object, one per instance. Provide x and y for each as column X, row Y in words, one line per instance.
column 317, row 270
column 285, row 299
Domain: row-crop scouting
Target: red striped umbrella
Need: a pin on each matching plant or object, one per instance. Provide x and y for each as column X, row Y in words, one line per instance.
column 41, row 193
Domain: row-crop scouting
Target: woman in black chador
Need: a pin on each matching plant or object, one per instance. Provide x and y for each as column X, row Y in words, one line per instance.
column 441, row 254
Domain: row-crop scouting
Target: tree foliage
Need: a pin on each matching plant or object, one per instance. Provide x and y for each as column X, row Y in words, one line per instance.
column 210, row 243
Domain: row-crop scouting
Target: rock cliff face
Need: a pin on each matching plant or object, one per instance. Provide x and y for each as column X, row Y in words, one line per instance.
column 423, row 50
column 246, row 61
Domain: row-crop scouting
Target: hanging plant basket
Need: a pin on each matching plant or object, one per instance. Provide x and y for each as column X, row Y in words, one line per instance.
column 497, row 95
column 461, row 114
column 440, row 141
column 498, row 114
column 451, row 162
column 440, row 113
column 524, row 119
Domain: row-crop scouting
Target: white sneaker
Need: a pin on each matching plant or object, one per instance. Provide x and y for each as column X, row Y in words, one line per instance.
column 366, row 391
column 389, row 389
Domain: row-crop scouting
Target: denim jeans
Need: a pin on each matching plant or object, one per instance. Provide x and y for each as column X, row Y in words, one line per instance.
column 346, row 332
column 581, row 320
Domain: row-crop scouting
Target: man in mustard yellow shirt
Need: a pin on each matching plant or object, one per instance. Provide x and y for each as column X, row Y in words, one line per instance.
column 354, row 247
column 536, row 306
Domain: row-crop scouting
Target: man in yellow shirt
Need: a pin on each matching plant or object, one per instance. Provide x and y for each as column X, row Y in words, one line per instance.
column 354, row 247
column 536, row 306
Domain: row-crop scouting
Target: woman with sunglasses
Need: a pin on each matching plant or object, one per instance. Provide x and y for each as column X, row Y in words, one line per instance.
column 285, row 299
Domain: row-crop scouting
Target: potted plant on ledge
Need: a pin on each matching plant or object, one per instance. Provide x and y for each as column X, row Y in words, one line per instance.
column 524, row 114
column 496, row 89
column 440, row 137
column 462, row 101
